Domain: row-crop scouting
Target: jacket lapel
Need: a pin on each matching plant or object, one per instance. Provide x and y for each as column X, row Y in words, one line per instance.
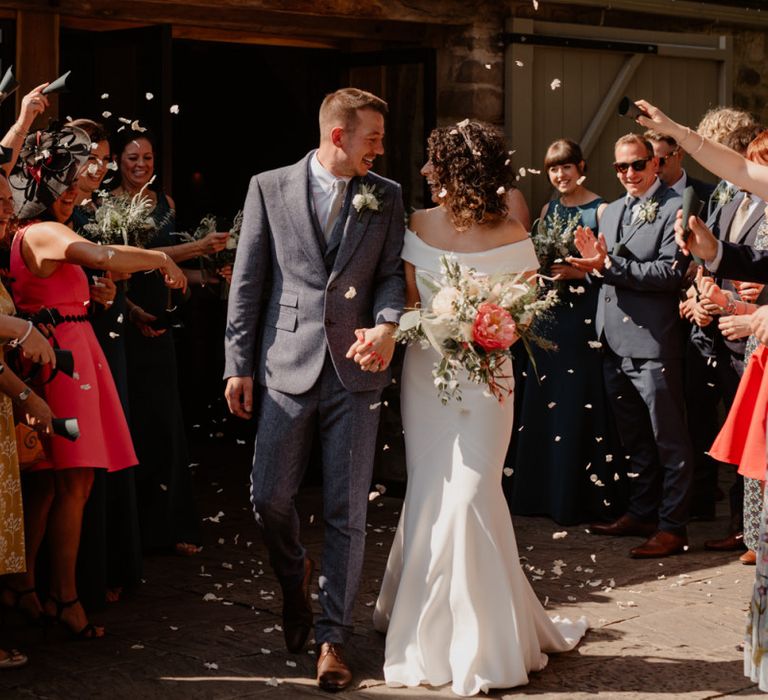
column 750, row 223
column 354, row 228
column 297, row 203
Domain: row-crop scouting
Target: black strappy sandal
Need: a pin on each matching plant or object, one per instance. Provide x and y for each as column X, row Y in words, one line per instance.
column 87, row 632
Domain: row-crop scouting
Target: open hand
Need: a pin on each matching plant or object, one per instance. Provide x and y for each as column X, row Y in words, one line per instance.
column 593, row 251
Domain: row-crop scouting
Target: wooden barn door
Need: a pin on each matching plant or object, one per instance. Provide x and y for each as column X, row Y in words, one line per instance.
column 567, row 81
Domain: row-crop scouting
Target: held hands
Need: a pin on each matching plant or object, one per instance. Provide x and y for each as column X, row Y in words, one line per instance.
column 213, row 243
column 593, row 251
column 373, row 348
column 239, row 396
column 700, row 240
column 103, row 290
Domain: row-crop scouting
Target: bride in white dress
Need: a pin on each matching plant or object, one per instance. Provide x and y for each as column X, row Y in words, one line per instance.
column 455, row 603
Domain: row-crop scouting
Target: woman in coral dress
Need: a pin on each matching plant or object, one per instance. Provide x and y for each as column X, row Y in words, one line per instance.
column 48, row 283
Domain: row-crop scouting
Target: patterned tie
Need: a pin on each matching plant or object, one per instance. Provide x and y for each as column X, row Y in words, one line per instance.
column 337, row 201
column 740, row 218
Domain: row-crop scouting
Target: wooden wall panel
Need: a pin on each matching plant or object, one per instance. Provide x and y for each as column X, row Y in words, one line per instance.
column 37, row 55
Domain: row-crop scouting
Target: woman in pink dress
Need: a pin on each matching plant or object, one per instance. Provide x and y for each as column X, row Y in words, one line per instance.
column 48, row 283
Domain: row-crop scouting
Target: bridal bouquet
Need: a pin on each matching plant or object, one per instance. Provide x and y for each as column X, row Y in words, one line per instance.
column 472, row 321
column 123, row 220
column 553, row 238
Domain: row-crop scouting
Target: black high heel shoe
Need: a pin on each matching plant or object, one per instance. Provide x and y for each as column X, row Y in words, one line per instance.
column 87, row 632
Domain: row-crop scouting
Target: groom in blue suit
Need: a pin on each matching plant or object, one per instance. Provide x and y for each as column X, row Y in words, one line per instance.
column 317, row 291
column 641, row 271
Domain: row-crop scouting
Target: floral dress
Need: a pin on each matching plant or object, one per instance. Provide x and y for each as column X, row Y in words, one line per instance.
column 11, row 514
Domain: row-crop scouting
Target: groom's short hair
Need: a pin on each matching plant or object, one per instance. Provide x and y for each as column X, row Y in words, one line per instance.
column 637, row 140
column 340, row 108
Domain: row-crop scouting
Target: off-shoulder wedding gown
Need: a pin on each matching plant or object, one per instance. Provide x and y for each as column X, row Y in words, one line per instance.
column 455, row 603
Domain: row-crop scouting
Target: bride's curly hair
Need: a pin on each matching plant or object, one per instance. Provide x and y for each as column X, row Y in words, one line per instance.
column 471, row 169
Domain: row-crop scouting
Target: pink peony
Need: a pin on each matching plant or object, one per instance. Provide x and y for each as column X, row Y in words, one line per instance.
column 494, row 328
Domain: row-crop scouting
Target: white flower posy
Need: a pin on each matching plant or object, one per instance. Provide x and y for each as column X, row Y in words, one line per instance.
column 366, row 198
column 647, row 211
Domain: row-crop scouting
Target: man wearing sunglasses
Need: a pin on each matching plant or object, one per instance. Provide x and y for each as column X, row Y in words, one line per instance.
column 671, row 171
column 641, row 271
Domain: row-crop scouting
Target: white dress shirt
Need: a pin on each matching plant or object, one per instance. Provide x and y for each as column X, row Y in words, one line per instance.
column 322, row 185
column 679, row 186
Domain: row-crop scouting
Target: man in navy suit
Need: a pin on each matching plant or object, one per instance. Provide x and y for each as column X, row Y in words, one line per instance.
column 671, row 171
column 638, row 324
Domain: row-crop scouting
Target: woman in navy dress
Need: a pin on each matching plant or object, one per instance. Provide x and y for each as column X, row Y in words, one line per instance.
column 561, row 460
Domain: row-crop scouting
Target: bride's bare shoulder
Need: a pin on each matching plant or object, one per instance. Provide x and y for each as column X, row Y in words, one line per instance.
column 511, row 231
column 427, row 224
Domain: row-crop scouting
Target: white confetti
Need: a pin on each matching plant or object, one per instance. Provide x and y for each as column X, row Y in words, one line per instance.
column 551, row 404
column 112, row 165
column 559, row 535
column 105, row 96
column 373, row 495
column 211, row 666
column 85, row 387
column 137, row 127
column 580, row 181
column 229, row 628
column 351, row 293
column 174, row 109
column 113, row 335
column 594, row 344
column 163, row 487
column 265, row 651
column 149, row 95
column 577, row 290
column 501, row 190
column 290, row 664
column 137, row 646
column 174, row 628
column 508, row 471
column 487, row 66
column 556, row 83
column 519, row 64
column 442, row 193
column 272, row 682
column 374, row 406
column 106, row 114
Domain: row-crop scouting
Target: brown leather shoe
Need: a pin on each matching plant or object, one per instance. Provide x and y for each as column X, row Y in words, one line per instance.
column 333, row 674
column 733, row 543
column 660, row 544
column 297, row 611
column 749, row 558
column 625, row 526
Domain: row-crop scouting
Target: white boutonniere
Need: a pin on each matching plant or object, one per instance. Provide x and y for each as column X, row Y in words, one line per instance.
column 647, row 211
column 725, row 195
column 366, row 198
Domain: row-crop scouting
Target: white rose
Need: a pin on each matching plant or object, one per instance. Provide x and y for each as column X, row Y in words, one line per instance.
column 358, row 201
column 442, row 302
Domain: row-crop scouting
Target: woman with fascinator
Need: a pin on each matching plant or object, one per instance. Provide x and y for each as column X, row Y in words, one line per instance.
column 455, row 604
column 50, row 286
column 164, row 486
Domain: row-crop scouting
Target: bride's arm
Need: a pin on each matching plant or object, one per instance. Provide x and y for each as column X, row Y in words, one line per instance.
column 412, row 299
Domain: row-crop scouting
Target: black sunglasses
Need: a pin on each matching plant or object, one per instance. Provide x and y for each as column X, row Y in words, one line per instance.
column 663, row 159
column 637, row 165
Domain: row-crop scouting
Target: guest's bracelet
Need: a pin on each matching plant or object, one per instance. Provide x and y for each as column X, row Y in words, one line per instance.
column 730, row 308
column 20, row 340
column 19, row 132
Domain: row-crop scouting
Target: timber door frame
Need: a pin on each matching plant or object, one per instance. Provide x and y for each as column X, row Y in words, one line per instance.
column 523, row 35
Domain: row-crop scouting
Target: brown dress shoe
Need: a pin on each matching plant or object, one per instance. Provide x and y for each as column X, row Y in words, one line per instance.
column 333, row 674
column 625, row 526
column 749, row 558
column 733, row 543
column 297, row 611
column 661, row 544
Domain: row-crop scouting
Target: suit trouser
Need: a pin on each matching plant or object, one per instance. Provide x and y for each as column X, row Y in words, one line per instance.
column 647, row 401
column 347, row 424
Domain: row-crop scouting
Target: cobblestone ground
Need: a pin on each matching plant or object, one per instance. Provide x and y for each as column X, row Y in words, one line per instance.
column 208, row 626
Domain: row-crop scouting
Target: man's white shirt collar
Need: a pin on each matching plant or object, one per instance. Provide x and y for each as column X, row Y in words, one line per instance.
column 323, row 177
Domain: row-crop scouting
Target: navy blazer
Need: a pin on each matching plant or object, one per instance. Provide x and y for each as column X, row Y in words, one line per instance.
column 638, row 304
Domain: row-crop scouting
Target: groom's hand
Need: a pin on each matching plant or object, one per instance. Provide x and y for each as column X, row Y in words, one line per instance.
column 373, row 348
column 239, row 396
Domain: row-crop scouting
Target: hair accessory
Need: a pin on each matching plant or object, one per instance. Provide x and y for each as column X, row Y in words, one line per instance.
column 48, row 164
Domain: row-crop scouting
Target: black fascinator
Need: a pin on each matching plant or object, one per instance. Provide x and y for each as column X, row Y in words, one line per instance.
column 48, row 163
